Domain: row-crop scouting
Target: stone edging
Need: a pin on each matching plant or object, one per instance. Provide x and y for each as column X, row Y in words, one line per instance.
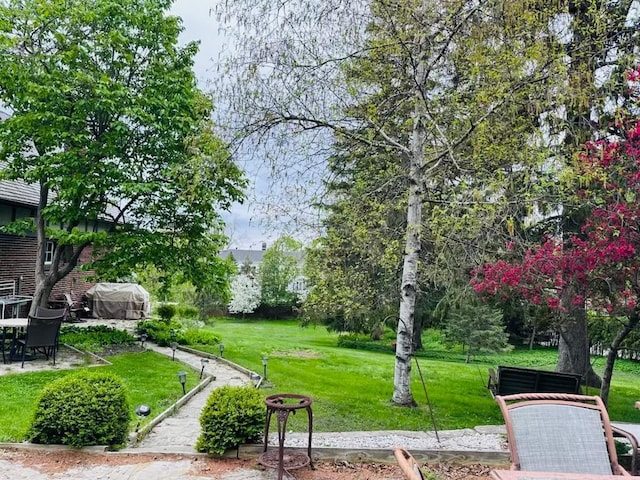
column 137, row 436
column 211, row 356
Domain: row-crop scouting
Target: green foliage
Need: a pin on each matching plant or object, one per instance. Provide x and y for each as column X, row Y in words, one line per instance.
column 187, row 311
column 363, row 342
column 161, row 332
column 479, row 327
column 95, row 337
column 198, row 336
column 106, row 113
column 164, row 333
column 232, row 416
column 87, row 408
column 166, row 311
column 280, row 267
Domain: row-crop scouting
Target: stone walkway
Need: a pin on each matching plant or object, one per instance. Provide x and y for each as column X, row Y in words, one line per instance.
column 178, row 433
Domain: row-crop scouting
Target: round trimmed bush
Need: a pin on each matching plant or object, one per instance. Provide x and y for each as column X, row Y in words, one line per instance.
column 232, row 416
column 85, row 408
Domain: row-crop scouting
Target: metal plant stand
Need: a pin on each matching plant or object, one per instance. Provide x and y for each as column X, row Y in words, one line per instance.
column 282, row 405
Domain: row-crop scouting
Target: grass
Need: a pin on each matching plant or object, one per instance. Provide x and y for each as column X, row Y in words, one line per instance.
column 148, row 377
column 351, row 389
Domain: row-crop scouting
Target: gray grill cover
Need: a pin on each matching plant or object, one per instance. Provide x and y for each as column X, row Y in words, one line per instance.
column 128, row 301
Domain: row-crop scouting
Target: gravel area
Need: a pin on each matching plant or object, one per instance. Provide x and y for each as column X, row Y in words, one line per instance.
column 483, row 438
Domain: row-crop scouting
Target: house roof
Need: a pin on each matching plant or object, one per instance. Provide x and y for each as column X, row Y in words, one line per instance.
column 241, row 256
column 17, row 191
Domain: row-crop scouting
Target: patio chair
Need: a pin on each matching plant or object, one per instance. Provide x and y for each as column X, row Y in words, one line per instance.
column 41, row 336
column 75, row 309
column 42, row 312
column 408, row 464
column 557, row 432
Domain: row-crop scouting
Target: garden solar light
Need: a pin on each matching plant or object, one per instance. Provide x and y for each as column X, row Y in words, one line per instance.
column 265, row 360
column 174, row 345
column 182, row 377
column 203, row 361
column 221, row 346
column 142, row 411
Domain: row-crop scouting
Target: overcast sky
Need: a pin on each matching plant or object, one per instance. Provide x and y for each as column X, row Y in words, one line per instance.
column 243, row 226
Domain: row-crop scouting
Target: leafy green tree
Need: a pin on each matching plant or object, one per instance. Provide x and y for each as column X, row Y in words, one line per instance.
column 416, row 80
column 479, row 328
column 107, row 120
column 280, row 266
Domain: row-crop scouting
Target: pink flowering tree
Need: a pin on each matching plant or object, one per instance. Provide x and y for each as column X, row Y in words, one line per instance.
column 598, row 268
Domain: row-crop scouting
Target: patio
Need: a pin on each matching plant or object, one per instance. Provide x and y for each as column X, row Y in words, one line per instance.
column 67, row 357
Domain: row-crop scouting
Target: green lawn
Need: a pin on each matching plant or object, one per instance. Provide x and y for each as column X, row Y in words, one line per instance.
column 351, row 388
column 148, row 377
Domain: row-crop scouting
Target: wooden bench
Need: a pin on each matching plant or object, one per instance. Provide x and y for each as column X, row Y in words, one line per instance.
column 510, row 380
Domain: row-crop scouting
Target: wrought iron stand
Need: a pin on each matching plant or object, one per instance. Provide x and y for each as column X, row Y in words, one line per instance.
column 283, row 404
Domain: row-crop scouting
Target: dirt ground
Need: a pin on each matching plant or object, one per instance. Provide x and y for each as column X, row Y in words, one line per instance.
column 68, row 464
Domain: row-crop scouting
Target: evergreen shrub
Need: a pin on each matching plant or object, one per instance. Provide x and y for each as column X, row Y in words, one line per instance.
column 85, row 408
column 166, row 311
column 232, row 416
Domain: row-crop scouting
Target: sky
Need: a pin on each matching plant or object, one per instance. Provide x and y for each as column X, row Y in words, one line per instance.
column 244, row 224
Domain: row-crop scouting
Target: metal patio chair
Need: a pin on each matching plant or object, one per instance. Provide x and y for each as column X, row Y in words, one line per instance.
column 76, row 309
column 41, row 336
column 556, row 432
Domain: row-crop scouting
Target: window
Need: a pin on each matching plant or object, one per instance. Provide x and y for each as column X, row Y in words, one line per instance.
column 48, row 253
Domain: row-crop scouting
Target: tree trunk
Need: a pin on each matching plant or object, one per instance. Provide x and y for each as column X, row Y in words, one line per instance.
column 632, row 322
column 61, row 265
column 404, row 341
column 573, row 349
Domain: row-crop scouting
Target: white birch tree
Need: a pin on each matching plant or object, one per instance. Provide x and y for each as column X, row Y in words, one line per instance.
column 413, row 78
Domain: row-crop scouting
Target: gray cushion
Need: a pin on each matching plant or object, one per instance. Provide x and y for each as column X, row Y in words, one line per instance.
column 560, row 438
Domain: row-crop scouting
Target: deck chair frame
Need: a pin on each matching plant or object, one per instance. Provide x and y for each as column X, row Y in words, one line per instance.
column 576, row 406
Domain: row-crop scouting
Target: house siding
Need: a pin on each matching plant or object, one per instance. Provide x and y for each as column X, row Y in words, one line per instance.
column 17, row 263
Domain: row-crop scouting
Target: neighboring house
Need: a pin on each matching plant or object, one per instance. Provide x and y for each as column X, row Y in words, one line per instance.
column 253, row 258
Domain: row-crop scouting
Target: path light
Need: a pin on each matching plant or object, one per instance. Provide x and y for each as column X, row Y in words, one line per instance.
column 203, row 361
column 221, row 347
column 142, row 411
column 265, row 360
column 143, row 338
column 182, row 377
column 174, row 345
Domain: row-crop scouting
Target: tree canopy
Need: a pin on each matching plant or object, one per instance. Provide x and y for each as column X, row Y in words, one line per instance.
column 600, row 265
column 107, row 120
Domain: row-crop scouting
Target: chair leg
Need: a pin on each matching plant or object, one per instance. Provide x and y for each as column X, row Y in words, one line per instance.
column 4, row 338
column 24, row 354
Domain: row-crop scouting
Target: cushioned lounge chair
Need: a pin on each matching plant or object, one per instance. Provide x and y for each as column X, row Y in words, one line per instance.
column 555, row 432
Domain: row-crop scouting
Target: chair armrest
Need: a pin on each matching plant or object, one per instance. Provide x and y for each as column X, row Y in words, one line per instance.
column 617, row 432
column 407, row 464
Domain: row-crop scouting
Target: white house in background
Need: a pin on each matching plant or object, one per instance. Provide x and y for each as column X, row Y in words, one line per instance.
column 254, row 259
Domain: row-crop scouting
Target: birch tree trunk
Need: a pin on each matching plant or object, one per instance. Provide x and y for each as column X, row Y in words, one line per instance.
column 404, row 342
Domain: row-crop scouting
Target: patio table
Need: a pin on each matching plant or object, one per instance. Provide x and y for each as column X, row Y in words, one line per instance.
column 524, row 475
column 15, row 324
column 15, row 301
